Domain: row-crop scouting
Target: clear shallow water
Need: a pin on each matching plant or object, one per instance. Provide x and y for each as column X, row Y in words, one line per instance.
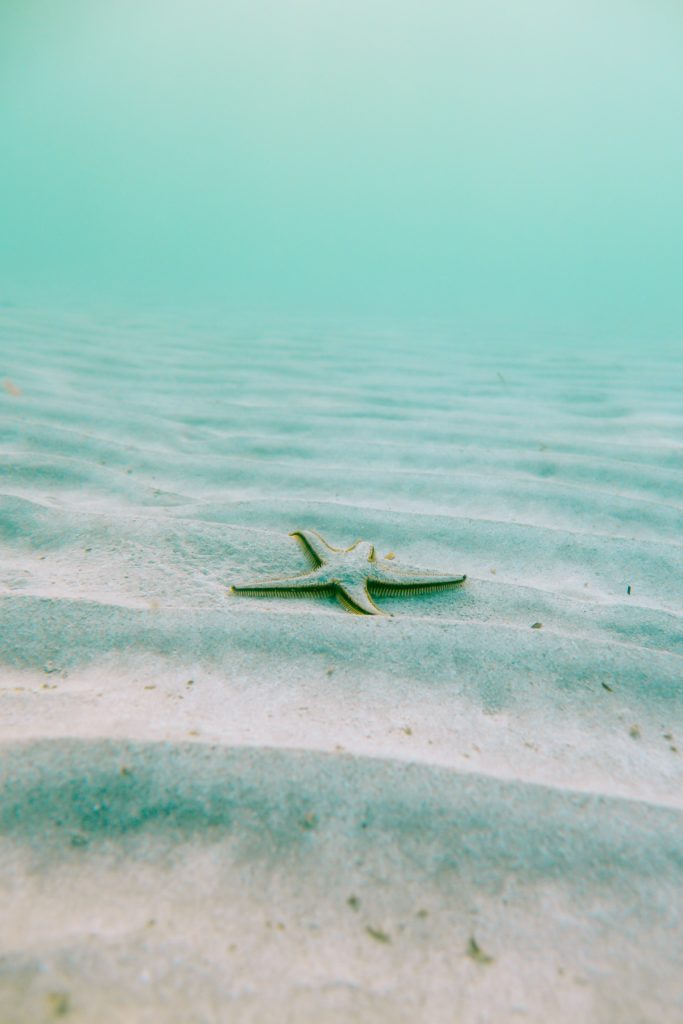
column 222, row 809
column 512, row 167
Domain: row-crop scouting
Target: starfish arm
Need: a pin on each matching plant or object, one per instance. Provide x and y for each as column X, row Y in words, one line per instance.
column 356, row 598
column 395, row 579
column 307, row 581
column 315, row 546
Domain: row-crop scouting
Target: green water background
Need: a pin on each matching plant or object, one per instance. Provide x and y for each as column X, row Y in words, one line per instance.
column 510, row 167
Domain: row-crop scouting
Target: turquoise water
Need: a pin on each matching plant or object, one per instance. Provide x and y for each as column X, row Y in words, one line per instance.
column 510, row 166
column 406, row 273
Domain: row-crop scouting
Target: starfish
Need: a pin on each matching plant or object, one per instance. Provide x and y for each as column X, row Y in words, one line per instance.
column 350, row 573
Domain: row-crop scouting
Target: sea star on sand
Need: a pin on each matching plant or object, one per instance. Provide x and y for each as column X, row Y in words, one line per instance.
column 349, row 573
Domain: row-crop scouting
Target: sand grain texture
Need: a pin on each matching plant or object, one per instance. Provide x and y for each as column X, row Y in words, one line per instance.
column 233, row 809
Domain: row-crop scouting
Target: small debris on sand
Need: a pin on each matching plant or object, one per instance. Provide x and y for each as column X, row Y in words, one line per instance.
column 390, row 555
column 58, row 1003
column 11, row 388
column 606, row 686
column 353, row 902
column 475, row 952
column 634, row 732
column 537, row 625
column 377, row 934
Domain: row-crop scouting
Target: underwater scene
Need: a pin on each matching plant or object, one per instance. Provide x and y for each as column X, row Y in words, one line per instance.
column 341, row 512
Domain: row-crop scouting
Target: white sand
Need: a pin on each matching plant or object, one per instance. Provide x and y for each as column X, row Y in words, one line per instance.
column 196, row 784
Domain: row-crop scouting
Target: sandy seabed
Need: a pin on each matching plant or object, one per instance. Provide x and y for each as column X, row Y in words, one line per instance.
column 225, row 809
